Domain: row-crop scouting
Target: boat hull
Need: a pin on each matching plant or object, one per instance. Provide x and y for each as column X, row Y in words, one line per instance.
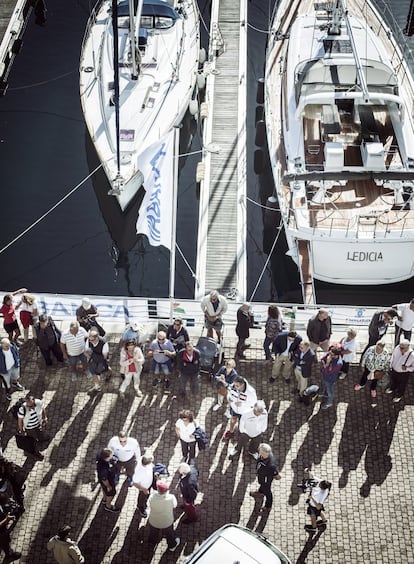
column 150, row 104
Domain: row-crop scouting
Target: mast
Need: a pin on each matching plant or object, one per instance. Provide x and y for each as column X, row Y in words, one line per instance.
column 133, row 24
column 340, row 11
column 117, row 180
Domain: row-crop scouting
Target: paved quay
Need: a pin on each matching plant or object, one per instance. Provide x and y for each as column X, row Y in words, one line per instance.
column 365, row 451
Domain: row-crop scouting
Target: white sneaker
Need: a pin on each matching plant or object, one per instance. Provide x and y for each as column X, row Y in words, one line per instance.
column 233, row 452
column 177, row 542
column 342, row 375
column 227, row 414
column 138, row 393
column 216, row 407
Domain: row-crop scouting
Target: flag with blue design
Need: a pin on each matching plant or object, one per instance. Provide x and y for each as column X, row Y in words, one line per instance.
column 155, row 214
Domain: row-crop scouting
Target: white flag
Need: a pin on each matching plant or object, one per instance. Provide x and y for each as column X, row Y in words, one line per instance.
column 155, row 214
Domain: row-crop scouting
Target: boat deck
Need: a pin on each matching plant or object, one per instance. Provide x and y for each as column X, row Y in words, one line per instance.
column 221, row 256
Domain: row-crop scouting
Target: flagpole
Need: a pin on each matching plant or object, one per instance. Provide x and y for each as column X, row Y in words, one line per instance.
column 174, row 219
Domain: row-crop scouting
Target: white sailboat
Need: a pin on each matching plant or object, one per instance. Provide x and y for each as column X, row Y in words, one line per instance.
column 133, row 104
column 339, row 105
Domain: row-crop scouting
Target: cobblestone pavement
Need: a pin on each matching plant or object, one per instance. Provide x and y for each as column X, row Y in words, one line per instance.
column 365, row 451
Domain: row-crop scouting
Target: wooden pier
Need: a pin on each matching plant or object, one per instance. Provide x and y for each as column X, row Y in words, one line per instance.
column 13, row 19
column 221, row 256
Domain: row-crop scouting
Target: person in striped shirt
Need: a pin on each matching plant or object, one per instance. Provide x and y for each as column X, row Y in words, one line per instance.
column 31, row 421
column 72, row 344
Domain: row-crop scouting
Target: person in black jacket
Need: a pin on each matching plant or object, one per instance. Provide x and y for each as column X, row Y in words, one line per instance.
column 378, row 326
column 244, row 322
column 319, row 330
column 47, row 339
column 6, row 516
column 284, row 347
column 303, row 359
column 266, row 471
column 178, row 334
column 189, row 489
column 188, row 363
column 106, row 470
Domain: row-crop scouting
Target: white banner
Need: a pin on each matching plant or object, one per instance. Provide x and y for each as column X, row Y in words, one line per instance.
column 155, row 216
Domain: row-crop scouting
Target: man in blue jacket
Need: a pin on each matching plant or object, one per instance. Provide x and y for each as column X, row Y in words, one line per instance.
column 9, row 367
column 284, row 347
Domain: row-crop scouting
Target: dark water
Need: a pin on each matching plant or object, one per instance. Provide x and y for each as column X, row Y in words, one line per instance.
column 85, row 245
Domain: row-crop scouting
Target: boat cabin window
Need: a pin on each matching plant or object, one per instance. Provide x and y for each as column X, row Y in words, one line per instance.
column 123, row 22
column 156, row 22
column 337, row 46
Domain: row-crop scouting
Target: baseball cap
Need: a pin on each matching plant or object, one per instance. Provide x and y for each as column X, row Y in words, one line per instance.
column 162, row 487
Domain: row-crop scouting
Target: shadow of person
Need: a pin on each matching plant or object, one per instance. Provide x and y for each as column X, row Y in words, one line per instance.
column 314, row 446
column 77, row 431
column 59, row 511
column 134, row 548
column 370, row 430
column 99, row 536
column 310, row 544
column 292, row 420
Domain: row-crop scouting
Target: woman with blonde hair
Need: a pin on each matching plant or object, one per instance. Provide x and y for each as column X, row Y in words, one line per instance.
column 28, row 314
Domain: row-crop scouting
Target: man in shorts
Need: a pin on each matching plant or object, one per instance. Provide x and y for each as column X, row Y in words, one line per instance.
column 162, row 352
column 72, row 344
column 317, row 497
column 214, row 306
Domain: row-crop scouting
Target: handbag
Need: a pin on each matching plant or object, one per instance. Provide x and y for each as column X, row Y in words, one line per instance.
column 23, row 442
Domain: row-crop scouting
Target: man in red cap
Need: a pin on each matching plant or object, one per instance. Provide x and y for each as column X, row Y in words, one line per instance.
column 162, row 504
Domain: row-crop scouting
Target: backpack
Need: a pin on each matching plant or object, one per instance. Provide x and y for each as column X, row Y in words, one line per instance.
column 15, row 408
column 201, row 437
column 160, row 470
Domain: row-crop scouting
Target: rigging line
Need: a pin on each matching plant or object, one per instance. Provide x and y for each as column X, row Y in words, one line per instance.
column 279, row 229
column 49, row 211
column 259, row 205
column 265, row 31
column 44, row 81
column 193, row 274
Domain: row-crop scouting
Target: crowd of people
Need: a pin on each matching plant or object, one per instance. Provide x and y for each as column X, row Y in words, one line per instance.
column 171, row 352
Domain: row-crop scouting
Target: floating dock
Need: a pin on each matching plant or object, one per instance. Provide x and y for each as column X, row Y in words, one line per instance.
column 221, row 252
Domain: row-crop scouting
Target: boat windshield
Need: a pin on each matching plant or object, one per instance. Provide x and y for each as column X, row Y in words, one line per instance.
column 156, row 14
column 335, row 75
column 156, row 22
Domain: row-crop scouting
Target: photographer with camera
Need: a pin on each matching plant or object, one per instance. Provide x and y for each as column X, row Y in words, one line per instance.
column 318, row 494
column 7, row 519
column 86, row 316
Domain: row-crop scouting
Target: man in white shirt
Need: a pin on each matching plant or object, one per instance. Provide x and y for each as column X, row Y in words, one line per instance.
column 127, row 452
column 405, row 323
column 317, row 497
column 402, row 367
column 72, row 344
column 142, row 480
column 252, row 425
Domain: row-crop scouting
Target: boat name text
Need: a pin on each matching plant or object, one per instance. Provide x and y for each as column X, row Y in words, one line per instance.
column 364, row 256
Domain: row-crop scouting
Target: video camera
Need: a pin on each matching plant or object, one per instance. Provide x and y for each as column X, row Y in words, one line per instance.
column 308, row 483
